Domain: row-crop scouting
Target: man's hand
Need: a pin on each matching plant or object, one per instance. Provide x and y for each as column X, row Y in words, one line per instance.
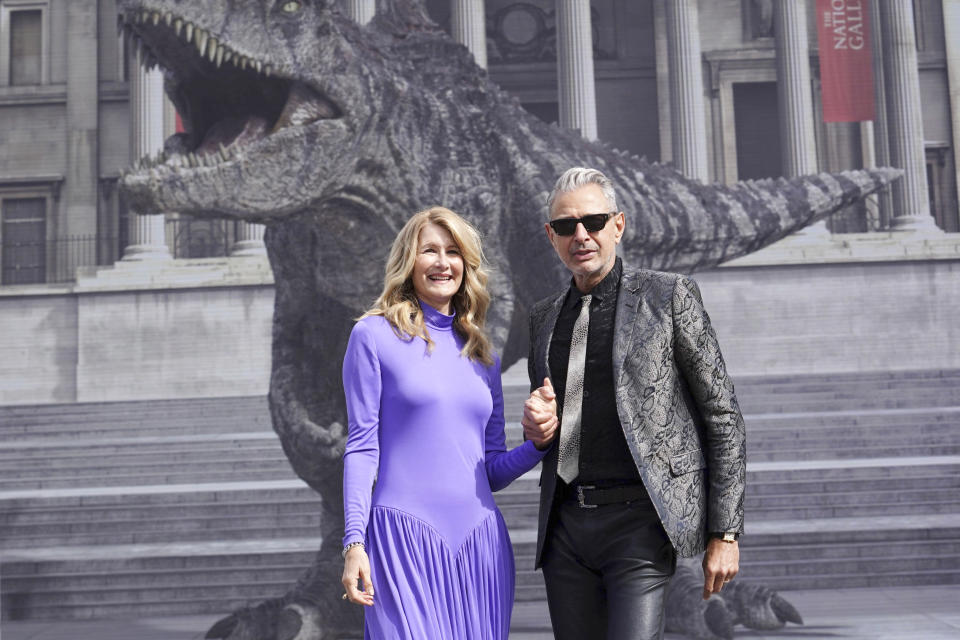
column 356, row 570
column 539, row 420
column 721, row 563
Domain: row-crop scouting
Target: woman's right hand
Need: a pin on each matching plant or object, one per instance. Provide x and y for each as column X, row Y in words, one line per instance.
column 356, row 568
column 540, row 421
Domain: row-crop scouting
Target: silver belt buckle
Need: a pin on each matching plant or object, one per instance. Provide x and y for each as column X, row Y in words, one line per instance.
column 584, row 505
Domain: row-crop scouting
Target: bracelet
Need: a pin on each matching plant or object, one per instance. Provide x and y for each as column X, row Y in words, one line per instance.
column 348, row 547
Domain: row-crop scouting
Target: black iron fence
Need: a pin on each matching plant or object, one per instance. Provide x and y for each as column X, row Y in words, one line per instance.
column 26, row 261
column 56, row 260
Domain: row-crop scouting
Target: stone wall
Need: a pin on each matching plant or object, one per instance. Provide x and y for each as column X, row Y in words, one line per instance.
column 124, row 343
column 75, row 346
column 836, row 317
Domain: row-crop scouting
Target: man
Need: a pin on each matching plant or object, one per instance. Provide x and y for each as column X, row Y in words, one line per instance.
column 650, row 460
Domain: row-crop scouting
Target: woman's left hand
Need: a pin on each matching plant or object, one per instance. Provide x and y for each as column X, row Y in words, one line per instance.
column 356, row 569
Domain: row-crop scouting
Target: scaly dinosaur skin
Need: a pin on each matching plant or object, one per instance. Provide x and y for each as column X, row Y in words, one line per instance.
column 332, row 134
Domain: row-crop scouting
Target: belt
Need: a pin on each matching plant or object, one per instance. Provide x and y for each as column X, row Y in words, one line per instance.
column 590, row 496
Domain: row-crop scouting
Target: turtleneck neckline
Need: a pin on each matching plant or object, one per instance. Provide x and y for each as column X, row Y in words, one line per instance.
column 436, row 319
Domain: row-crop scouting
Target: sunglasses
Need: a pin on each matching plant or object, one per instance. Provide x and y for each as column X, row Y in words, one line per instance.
column 592, row 223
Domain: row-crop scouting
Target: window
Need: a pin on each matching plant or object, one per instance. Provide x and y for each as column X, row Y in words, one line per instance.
column 23, row 42
column 25, row 47
column 940, row 186
column 23, row 240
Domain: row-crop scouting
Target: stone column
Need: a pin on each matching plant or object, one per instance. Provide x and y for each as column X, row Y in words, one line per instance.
column 468, row 24
column 689, row 129
column 793, row 89
column 81, row 154
column 904, row 121
column 147, row 236
column 362, row 11
column 664, row 114
column 881, row 137
column 794, row 96
column 578, row 102
column 951, row 28
column 249, row 240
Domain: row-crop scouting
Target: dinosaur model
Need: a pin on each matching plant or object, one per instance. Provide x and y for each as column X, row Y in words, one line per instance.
column 332, row 134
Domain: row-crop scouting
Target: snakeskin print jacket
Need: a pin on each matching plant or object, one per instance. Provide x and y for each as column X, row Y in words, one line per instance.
column 675, row 402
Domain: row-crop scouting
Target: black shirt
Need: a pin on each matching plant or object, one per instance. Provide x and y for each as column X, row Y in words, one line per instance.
column 604, row 456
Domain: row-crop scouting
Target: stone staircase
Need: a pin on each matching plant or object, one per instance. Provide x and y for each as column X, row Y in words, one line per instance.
column 190, row 506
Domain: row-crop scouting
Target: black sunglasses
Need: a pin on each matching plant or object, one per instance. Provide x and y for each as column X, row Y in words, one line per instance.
column 592, row 223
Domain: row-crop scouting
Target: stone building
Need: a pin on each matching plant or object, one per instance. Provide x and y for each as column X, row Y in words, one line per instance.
column 139, row 473
column 725, row 89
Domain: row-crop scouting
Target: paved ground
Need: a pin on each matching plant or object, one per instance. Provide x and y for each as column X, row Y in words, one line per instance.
column 906, row 613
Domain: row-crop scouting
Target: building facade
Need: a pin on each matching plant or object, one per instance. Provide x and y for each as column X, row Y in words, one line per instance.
column 98, row 303
column 701, row 84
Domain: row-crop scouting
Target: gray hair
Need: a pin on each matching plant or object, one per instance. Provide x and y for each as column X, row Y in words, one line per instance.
column 577, row 177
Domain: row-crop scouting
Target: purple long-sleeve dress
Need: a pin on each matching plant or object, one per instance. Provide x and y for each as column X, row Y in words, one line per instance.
column 428, row 427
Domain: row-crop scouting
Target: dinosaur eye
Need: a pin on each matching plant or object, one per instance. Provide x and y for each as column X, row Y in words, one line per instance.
column 291, row 7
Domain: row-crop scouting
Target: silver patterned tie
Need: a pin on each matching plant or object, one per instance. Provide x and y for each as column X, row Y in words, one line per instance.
column 568, row 467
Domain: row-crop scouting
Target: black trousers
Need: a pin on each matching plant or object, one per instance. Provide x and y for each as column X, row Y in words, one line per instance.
column 607, row 571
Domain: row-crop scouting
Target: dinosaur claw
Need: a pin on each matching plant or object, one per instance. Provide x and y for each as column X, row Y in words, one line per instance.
column 222, row 628
column 785, row 611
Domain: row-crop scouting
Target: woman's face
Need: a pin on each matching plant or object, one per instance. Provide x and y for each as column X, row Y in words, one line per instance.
column 438, row 269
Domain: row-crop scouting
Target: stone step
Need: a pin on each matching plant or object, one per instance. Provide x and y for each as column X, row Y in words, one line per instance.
column 77, row 474
column 134, row 510
column 171, row 584
column 159, row 579
column 93, row 458
column 107, row 449
column 178, row 531
column 139, row 523
column 276, row 472
column 845, row 451
column 154, row 527
column 80, row 411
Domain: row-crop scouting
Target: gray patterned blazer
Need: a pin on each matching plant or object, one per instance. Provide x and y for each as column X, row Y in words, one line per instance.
column 676, row 405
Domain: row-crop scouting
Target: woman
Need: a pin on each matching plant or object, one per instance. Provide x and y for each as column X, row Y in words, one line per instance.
column 425, row 410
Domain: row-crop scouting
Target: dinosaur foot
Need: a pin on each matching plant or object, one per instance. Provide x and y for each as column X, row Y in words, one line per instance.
column 751, row 605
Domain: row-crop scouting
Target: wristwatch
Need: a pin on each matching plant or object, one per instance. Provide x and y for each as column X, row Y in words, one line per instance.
column 726, row 536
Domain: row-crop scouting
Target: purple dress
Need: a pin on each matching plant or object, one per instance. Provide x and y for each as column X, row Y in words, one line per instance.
column 429, row 428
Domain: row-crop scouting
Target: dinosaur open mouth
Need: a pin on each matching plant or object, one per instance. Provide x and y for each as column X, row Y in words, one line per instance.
column 226, row 100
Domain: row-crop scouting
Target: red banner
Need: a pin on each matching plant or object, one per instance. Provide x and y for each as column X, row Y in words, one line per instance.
column 846, row 66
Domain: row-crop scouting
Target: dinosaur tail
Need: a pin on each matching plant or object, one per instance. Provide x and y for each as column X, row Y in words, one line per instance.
column 689, row 226
column 787, row 205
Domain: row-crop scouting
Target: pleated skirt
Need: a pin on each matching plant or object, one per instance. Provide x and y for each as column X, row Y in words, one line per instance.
column 423, row 590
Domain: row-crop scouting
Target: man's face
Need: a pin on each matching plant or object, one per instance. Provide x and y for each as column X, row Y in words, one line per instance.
column 588, row 256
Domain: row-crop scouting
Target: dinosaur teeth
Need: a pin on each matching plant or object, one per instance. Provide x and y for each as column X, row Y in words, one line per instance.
column 201, row 41
column 221, row 52
column 178, row 26
column 155, row 16
column 212, row 49
column 189, row 33
column 258, row 66
column 267, row 70
column 168, row 18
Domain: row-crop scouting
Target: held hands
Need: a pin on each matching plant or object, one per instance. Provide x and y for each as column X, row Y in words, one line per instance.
column 721, row 563
column 356, row 568
column 540, row 420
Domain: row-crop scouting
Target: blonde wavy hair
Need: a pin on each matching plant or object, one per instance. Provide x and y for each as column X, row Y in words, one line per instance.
column 398, row 302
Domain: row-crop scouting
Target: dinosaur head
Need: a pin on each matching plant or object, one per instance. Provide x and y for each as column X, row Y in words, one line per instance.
column 270, row 93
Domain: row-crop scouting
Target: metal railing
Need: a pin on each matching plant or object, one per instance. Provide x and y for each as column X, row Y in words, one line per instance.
column 56, row 260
